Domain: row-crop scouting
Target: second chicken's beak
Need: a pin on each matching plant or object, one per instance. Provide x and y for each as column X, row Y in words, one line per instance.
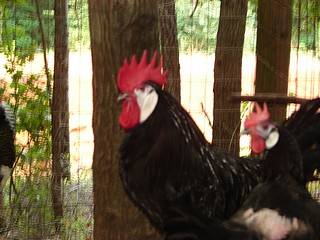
column 244, row 131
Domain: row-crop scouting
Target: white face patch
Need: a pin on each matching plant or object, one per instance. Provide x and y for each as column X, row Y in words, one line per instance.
column 270, row 133
column 147, row 99
column 272, row 140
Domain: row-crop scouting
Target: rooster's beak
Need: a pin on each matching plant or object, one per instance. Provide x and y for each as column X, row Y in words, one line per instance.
column 122, row 96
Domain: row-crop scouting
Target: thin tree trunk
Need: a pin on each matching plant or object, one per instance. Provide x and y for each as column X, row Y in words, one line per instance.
column 118, row 29
column 273, row 51
column 44, row 46
column 1, row 16
column 227, row 74
column 169, row 45
column 60, row 107
column 2, row 218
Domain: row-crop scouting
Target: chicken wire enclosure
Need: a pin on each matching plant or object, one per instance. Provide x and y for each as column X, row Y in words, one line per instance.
column 197, row 61
column 27, row 211
column 28, row 204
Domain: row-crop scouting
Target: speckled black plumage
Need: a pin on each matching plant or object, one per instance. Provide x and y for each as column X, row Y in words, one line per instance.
column 185, row 186
column 285, row 158
column 167, row 167
column 290, row 199
column 7, row 132
column 304, row 125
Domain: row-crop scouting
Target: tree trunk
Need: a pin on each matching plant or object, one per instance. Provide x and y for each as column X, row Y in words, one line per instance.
column 118, row 29
column 2, row 212
column 169, row 45
column 60, row 107
column 44, row 46
column 1, row 20
column 227, row 74
column 273, row 51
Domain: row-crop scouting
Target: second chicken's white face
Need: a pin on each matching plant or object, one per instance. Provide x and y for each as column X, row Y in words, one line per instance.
column 270, row 133
column 273, row 139
column 264, row 135
column 147, row 99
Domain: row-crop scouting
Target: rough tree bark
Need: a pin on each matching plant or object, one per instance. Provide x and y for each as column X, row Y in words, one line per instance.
column 60, row 107
column 273, row 51
column 227, row 74
column 169, row 45
column 118, row 29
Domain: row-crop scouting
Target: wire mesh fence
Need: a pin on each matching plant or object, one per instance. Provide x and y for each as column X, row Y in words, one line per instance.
column 27, row 203
column 28, row 213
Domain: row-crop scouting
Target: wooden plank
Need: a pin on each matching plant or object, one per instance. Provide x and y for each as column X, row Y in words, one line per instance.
column 268, row 97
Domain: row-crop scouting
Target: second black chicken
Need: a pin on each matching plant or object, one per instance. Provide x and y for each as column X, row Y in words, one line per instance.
column 280, row 207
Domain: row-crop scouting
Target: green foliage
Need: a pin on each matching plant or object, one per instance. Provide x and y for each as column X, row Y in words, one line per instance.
column 18, row 30
column 305, row 24
column 28, row 96
column 30, row 100
column 28, row 203
column 244, row 106
column 78, row 25
column 198, row 32
column 21, row 32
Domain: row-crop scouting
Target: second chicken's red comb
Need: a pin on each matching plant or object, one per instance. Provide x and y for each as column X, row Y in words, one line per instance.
column 259, row 116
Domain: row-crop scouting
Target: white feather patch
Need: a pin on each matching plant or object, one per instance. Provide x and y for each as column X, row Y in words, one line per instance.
column 270, row 223
column 272, row 140
column 147, row 100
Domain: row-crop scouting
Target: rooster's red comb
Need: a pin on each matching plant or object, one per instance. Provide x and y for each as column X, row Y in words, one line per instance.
column 133, row 74
column 258, row 116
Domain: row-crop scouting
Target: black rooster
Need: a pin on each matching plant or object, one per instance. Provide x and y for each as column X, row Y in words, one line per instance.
column 281, row 207
column 7, row 135
column 166, row 164
column 167, row 167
